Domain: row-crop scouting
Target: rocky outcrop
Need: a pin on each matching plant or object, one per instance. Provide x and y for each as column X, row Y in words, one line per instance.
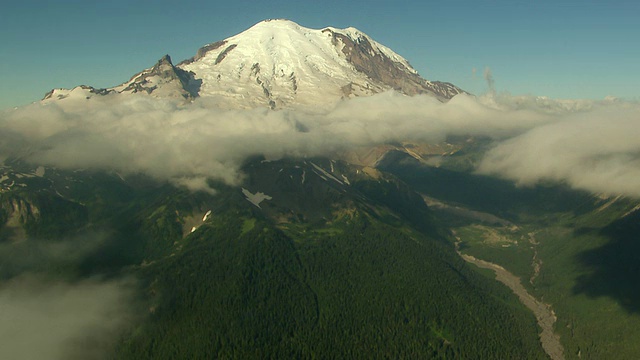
column 161, row 74
column 203, row 51
column 15, row 213
column 382, row 69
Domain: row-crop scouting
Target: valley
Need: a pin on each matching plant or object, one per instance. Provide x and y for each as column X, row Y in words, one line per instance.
column 355, row 232
column 545, row 246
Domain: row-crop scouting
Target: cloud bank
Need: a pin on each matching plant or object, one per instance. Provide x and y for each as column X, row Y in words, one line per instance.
column 598, row 151
column 590, row 145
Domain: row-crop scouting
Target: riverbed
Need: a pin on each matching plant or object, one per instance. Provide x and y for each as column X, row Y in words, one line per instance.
column 544, row 314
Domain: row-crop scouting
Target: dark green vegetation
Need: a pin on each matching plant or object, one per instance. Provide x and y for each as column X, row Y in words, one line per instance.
column 341, row 262
column 616, row 264
column 576, row 251
column 361, row 293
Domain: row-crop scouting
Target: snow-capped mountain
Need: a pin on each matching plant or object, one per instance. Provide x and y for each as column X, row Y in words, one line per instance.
column 280, row 64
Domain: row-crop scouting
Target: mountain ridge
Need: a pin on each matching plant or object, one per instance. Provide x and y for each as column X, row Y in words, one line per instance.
column 279, row 64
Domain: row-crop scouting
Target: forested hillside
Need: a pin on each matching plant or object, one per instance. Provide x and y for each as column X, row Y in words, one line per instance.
column 306, row 259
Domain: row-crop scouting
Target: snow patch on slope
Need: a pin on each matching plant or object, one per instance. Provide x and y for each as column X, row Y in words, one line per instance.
column 256, row 198
column 326, row 174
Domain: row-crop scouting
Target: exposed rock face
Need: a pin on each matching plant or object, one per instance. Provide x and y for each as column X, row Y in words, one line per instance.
column 14, row 214
column 224, row 53
column 21, row 209
column 203, row 51
column 164, row 76
column 380, row 68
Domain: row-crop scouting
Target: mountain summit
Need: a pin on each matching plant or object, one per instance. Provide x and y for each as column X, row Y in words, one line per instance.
column 280, row 64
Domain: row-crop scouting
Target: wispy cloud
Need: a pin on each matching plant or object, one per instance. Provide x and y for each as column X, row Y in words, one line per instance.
column 488, row 77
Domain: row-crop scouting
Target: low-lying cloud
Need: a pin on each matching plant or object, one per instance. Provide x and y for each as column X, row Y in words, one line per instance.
column 591, row 145
column 597, row 151
column 47, row 311
column 42, row 319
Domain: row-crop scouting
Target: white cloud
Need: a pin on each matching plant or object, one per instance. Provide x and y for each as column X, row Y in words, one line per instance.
column 598, row 151
column 543, row 138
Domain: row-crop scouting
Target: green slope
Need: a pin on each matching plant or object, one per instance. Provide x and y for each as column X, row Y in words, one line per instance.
column 586, row 247
column 339, row 263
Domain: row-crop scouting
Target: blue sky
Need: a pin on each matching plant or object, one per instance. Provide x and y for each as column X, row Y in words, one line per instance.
column 560, row 49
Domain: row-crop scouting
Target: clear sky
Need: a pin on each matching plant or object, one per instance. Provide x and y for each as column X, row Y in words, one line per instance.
column 561, row 49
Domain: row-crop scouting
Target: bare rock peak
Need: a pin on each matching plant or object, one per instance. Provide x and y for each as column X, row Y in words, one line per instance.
column 165, row 60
